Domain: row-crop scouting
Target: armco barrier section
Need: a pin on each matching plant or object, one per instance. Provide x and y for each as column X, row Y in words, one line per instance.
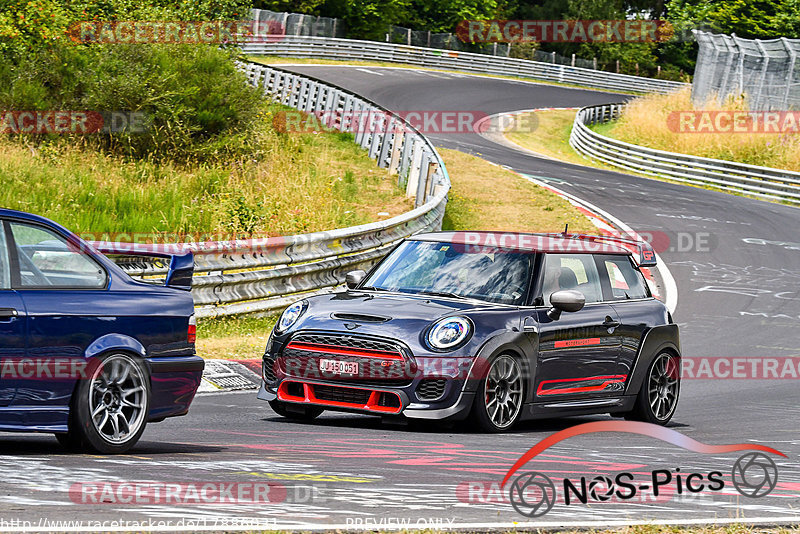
column 762, row 182
column 260, row 275
column 344, row 49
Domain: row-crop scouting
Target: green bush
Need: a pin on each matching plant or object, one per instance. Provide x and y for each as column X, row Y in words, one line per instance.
column 198, row 106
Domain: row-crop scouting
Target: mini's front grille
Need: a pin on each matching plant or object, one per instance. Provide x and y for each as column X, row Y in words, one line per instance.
column 268, row 368
column 348, row 395
column 380, row 363
column 431, row 389
column 347, row 341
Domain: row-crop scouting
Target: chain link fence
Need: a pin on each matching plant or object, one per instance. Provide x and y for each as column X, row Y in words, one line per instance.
column 767, row 72
column 311, row 26
column 299, row 24
column 444, row 41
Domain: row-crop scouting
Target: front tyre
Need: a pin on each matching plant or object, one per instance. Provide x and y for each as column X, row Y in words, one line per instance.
column 658, row 397
column 498, row 402
column 110, row 406
column 296, row 412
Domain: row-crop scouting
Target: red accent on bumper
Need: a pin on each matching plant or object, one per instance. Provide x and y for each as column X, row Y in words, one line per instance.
column 563, row 391
column 310, row 398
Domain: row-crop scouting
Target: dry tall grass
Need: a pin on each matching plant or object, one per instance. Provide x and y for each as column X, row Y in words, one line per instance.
column 303, row 183
column 646, row 122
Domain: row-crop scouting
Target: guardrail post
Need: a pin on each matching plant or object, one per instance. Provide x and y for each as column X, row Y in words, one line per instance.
column 389, row 134
column 406, row 159
column 430, row 181
column 397, row 143
column 360, row 116
column 369, row 127
column 422, row 181
column 414, row 170
column 378, row 135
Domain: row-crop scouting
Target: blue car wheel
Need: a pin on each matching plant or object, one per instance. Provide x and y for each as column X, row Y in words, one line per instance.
column 111, row 405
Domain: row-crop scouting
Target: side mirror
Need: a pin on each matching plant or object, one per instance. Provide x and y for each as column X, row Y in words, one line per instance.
column 566, row 300
column 353, row 278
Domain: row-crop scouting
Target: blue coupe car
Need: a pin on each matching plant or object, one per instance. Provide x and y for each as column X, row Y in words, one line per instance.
column 87, row 352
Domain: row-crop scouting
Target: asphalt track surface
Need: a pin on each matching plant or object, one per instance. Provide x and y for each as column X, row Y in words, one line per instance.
column 738, row 298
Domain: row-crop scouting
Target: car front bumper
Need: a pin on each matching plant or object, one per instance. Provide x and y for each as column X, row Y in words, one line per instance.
column 454, row 402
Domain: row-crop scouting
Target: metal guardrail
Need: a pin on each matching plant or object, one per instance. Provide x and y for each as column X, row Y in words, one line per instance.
column 762, row 182
column 259, row 275
column 343, row 49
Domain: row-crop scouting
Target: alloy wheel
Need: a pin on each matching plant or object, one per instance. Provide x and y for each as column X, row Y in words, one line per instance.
column 117, row 398
column 663, row 386
column 503, row 391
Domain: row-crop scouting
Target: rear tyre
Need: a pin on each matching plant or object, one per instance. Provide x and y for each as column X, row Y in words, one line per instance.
column 498, row 402
column 111, row 405
column 296, row 412
column 658, row 396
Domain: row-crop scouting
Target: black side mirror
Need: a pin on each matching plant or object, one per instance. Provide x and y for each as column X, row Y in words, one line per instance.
column 566, row 300
column 353, row 278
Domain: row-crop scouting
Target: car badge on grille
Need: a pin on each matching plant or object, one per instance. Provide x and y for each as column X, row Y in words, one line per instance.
column 351, row 326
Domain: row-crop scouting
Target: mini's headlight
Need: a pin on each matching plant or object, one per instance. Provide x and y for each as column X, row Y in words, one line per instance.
column 290, row 316
column 449, row 332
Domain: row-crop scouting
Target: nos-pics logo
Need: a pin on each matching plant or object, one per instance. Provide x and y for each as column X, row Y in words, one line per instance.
column 533, row 494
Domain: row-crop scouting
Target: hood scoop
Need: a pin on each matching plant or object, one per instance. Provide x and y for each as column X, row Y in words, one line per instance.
column 360, row 317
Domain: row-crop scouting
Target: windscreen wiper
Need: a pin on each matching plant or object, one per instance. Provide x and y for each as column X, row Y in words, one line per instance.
column 442, row 294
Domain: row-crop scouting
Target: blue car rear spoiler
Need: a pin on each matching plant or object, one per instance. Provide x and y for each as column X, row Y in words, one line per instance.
column 181, row 265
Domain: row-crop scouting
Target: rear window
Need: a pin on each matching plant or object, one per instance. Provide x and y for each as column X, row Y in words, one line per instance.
column 626, row 281
column 46, row 259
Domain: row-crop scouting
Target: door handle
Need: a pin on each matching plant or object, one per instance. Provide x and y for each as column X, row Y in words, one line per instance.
column 610, row 323
column 529, row 325
column 6, row 314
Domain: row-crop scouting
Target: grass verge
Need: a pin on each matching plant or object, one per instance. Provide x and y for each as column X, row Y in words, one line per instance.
column 487, row 197
column 551, row 139
column 233, row 338
column 510, row 204
column 652, row 121
column 303, row 183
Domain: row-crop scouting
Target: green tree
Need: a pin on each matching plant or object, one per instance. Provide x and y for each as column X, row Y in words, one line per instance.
column 751, row 19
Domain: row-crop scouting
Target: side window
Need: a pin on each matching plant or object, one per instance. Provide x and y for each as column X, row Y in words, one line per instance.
column 47, row 260
column 625, row 280
column 571, row 271
column 5, row 265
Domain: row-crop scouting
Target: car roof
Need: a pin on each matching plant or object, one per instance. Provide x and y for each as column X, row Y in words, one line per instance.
column 526, row 242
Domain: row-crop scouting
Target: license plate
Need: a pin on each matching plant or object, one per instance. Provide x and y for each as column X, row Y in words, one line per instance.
column 337, row 366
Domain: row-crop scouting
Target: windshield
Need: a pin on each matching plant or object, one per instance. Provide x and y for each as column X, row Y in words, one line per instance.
column 453, row 270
